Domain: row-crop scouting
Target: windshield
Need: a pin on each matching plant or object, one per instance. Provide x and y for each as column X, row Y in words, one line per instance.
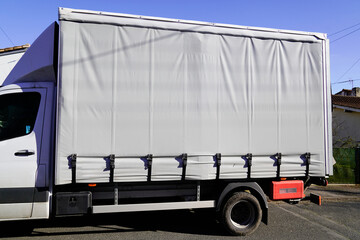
column 18, row 113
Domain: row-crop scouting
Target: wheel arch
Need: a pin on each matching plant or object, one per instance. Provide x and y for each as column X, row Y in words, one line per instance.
column 254, row 189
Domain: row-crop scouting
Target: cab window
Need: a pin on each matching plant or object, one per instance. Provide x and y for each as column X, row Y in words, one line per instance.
column 18, row 113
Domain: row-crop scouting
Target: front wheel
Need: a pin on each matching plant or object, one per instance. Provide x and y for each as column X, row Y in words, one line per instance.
column 241, row 214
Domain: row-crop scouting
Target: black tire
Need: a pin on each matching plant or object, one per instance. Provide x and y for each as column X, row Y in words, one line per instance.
column 241, row 214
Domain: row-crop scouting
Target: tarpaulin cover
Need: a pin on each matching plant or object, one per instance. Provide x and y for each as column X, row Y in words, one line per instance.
column 132, row 86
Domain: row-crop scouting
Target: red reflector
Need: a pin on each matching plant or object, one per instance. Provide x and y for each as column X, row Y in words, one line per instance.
column 290, row 189
column 92, row 185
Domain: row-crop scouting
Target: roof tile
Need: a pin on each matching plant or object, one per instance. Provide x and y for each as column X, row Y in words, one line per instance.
column 346, row 101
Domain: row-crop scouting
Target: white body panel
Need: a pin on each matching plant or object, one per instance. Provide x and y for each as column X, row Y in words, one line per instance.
column 15, row 211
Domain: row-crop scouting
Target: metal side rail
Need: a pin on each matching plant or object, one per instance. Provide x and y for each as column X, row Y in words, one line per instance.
column 152, row 206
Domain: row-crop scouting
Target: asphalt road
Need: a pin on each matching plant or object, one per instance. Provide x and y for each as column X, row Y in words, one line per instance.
column 332, row 220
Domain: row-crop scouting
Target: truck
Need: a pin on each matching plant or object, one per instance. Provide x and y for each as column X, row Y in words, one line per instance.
column 109, row 113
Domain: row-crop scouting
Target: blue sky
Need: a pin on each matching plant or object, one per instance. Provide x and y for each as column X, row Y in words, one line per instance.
column 22, row 21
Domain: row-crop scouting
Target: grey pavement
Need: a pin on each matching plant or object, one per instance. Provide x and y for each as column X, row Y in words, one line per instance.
column 335, row 192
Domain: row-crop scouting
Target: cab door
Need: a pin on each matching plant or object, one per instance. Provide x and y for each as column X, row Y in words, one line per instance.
column 21, row 126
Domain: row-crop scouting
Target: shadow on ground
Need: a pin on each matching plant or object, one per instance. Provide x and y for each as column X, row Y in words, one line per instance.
column 180, row 221
column 339, row 190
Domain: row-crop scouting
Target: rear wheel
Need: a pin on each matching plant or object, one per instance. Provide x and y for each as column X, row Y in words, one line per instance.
column 241, row 214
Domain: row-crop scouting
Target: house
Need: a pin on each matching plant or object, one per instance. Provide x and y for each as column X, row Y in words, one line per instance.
column 8, row 59
column 346, row 118
column 355, row 92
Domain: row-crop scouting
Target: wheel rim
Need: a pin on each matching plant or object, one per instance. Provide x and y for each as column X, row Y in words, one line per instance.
column 242, row 214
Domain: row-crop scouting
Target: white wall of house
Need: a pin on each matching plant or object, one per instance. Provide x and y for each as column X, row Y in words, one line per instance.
column 346, row 124
column 7, row 63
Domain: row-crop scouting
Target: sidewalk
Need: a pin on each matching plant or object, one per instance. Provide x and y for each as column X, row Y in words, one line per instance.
column 336, row 192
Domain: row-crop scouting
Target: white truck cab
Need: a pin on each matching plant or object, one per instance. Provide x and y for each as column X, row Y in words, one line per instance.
column 25, row 146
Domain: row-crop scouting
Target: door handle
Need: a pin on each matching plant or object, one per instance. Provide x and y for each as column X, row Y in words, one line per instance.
column 24, row 153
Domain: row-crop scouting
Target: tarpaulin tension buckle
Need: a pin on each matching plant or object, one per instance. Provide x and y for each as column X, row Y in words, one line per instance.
column 149, row 159
column 218, row 164
column 278, row 161
column 73, row 158
column 308, row 162
column 112, row 166
column 184, row 157
column 249, row 163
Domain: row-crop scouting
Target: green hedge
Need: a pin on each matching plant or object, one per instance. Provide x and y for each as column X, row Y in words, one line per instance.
column 345, row 167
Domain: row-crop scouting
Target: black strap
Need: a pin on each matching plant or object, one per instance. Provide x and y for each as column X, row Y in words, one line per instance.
column 218, row 164
column 72, row 159
column 249, row 163
column 112, row 167
column 308, row 161
column 149, row 159
column 184, row 157
column 278, row 161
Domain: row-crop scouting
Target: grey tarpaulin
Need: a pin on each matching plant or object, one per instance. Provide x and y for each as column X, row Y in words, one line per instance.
column 132, row 86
